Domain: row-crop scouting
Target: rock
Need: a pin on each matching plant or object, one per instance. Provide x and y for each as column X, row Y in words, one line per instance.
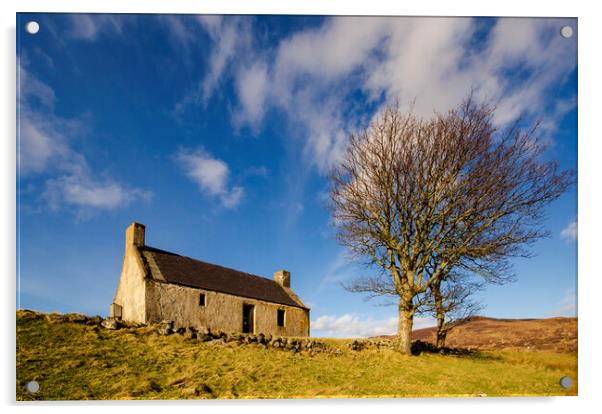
column 204, row 337
column 110, row 323
column 268, row 338
column 261, row 338
column 56, row 318
column 190, row 333
column 76, row 318
column 262, row 346
column 94, row 320
column 181, row 330
column 217, row 342
column 165, row 328
column 219, row 335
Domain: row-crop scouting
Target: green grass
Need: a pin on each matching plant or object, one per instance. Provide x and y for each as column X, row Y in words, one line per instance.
column 73, row 361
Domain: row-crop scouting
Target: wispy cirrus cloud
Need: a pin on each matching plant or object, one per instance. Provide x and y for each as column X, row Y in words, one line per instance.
column 229, row 35
column 45, row 149
column 211, row 176
column 567, row 305
column 311, row 75
column 89, row 26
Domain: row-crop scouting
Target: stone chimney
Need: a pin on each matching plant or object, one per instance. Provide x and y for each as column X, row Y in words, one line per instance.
column 283, row 278
column 134, row 235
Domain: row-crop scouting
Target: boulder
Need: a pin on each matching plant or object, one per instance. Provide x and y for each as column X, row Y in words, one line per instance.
column 204, row 337
column 94, row 320
column 356, row 345
column 110, row 323
column 190, row 333
column 165, row 328
column 217, row 342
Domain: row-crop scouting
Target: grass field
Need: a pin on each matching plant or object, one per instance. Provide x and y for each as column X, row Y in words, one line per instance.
column 76, row 361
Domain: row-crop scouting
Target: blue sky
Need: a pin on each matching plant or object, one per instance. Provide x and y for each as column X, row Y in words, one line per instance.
column 218, row 132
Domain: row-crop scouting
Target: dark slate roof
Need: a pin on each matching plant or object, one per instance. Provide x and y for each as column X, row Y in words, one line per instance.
column 181, row 270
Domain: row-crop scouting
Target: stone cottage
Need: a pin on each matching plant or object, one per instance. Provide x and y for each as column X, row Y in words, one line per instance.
column 157, row 285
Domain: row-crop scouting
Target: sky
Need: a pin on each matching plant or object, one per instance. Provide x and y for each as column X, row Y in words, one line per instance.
column 218, row 132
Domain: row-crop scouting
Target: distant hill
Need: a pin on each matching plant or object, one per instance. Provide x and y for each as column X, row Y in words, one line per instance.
column 555, row 334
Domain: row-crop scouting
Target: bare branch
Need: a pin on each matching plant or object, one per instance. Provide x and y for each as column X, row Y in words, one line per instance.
column 423, row 198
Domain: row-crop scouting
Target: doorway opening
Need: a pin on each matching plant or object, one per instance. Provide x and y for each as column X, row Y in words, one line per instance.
column 248, row 317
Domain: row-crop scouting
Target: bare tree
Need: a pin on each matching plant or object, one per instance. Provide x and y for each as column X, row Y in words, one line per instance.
column 449, row 300
column 419, row 197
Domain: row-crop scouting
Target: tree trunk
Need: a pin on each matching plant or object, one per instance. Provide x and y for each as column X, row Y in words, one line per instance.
column 441, row 328
column 404, row 330
column 441, row 335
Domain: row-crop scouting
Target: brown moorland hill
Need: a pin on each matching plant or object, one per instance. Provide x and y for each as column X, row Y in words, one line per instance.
column 554, row 334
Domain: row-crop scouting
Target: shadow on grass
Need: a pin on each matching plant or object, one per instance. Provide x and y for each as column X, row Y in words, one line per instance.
column 419, row 347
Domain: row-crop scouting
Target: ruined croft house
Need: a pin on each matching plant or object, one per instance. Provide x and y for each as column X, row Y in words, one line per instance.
column 156, row 285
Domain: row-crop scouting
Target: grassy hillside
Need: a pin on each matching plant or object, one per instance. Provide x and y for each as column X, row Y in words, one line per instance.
column 552, row 334
column 76, row 361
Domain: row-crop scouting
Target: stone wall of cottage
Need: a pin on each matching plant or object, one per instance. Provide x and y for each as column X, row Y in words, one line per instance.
column 221, row 312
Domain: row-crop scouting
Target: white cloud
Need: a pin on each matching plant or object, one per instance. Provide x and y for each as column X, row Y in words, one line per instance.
column 230, row 35
column 45, row 149
column 252, row 87
column 31, row 88
column 35, row 147
column 311, row 74
column 85, row 193
column 232, row 198
column 351, row 326
column 211, row 175
column 570, row 231
column 89, row 26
